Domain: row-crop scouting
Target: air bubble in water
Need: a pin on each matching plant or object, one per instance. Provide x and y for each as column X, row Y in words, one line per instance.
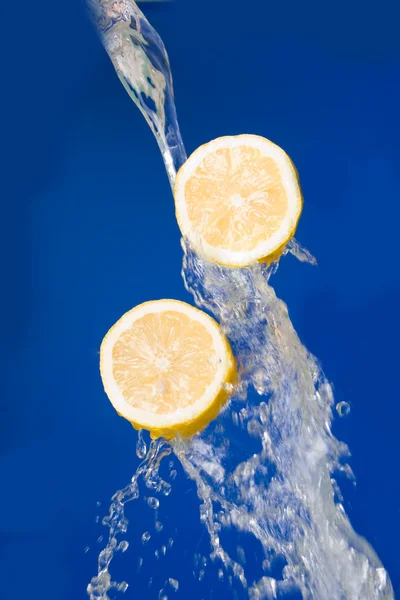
column 163, row 550
column 241, row 390
column 254, row 428
column 201, row 574
column 170, row 542
column 86, row 550
column 173, row 474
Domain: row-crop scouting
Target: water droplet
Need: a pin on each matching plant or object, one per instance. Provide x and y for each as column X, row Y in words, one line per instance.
column 220, row 574
column 174, row 583
column 201, row 574
column 171, row 464
column 100, row 539
column 158, row 526
column 163, row 550
column 97, row 519
column 204, row 561
column 145, row 537
column 166, row 490
column 140, row 562
column 123, row 546
column 141, row 447
column 122, row 587
column 343, row 409
column 170, row 542
column 98, row 503
column 154, row 503
column 173, row 474
column 86, row 550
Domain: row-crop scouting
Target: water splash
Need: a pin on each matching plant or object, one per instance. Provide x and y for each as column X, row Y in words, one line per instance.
column 100, row 585
column 283, row 492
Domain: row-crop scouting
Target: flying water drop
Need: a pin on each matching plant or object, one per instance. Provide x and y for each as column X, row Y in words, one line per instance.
column 343, row 409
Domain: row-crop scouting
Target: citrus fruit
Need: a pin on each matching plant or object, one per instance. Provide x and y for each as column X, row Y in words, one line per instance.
column 167, row 367
column 238, row 200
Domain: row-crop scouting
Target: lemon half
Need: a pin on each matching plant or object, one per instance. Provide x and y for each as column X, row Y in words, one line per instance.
column 238, row 200
column 167, row 367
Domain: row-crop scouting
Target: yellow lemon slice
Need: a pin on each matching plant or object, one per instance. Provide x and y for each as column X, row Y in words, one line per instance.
column 238, row 200
column 167, row 367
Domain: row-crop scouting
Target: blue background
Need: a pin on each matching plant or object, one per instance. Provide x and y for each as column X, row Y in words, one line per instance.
column 88, row 231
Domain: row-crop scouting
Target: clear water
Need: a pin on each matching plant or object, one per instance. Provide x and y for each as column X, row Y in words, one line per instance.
column 266, row 466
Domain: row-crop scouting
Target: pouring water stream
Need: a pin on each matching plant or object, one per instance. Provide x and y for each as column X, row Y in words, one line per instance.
column 284, row 494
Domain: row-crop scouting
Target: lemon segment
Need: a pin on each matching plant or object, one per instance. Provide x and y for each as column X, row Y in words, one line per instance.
column 238, row 200
column 167, row 367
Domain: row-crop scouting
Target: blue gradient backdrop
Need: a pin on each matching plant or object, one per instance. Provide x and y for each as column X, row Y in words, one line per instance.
column 88, row 231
